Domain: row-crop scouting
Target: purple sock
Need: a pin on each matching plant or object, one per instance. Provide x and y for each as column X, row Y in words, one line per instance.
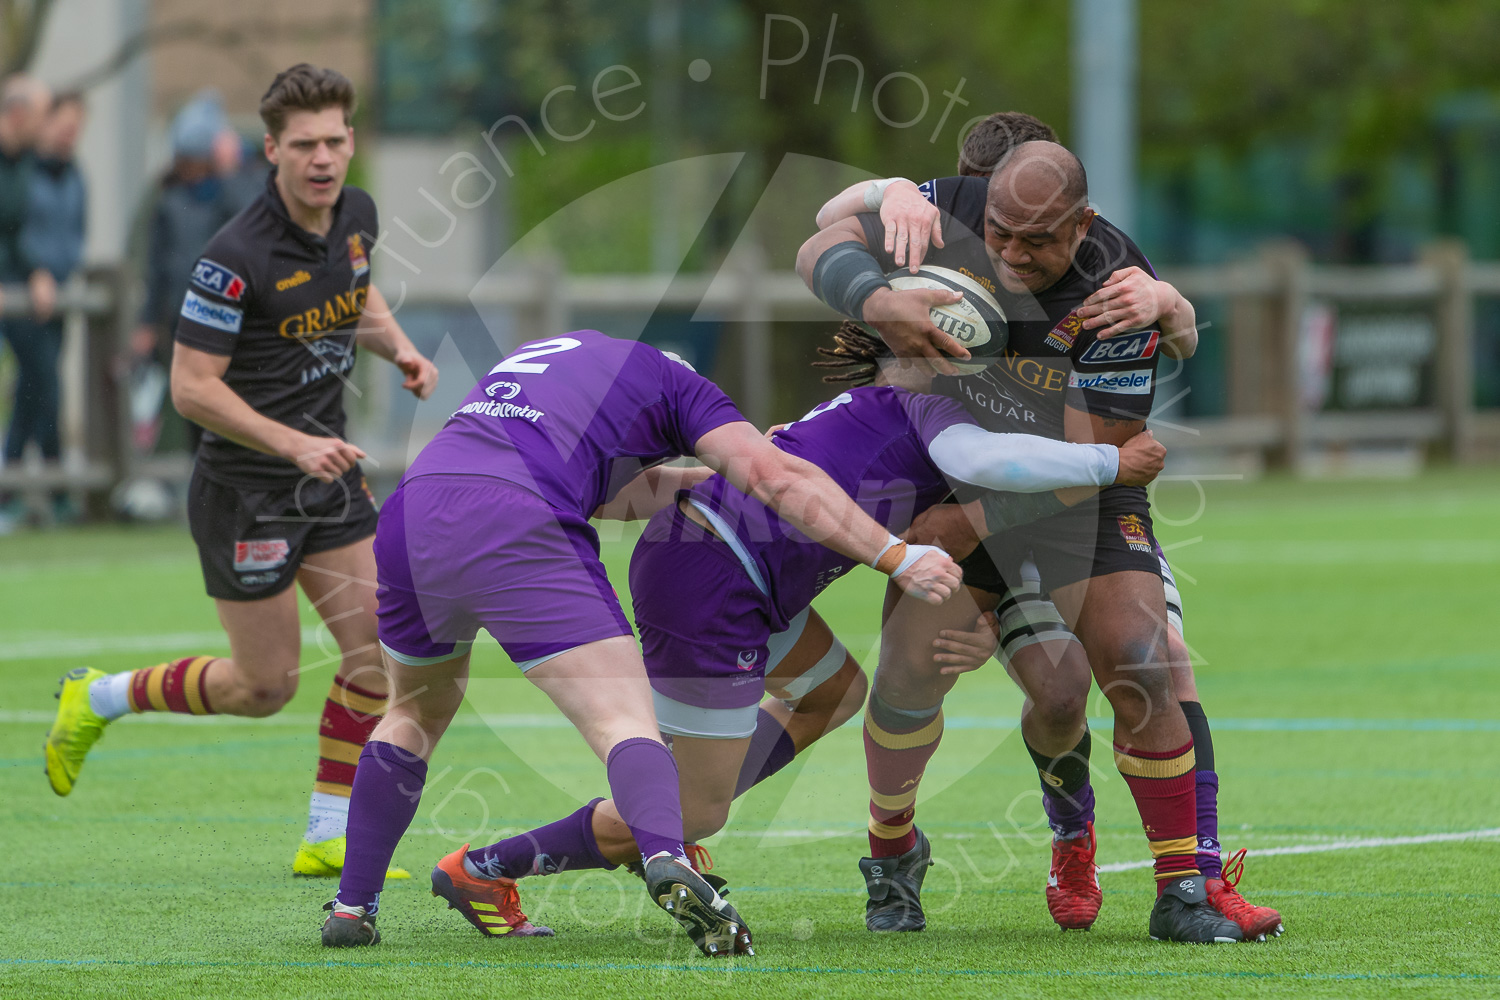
column 1067, row 815
column 643, row 781
column 771, row 749
column 387, row 787
column 1209, row 861
column 567, row 845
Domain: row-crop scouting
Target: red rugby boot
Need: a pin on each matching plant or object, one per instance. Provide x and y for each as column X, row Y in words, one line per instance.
column 1256, row 922
column 1073, row 893
column 493, row 906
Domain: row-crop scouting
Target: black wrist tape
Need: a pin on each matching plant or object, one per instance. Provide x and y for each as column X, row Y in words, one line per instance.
column 845, row 276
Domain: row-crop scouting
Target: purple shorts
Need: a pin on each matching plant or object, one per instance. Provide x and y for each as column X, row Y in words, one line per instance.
column 459, row 553
column 704, row 624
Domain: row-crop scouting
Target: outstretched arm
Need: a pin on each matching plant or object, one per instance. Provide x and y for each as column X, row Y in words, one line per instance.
column 1020, row 492
column 804, row 496
column 1023, row 463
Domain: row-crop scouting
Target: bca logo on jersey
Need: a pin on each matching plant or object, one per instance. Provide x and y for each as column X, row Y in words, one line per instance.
column 260, row 553
column 218, row 279
column 1131, row 347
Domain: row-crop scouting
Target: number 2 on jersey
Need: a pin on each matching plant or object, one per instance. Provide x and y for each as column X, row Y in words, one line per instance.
column 519, row 363
column 838, row 400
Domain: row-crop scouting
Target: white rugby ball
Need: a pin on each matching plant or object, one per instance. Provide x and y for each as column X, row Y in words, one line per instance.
column 977, row 321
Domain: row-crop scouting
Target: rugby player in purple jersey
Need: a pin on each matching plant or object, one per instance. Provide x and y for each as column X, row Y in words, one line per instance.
column 912, row 217
column 723, row 586
column 489, row 529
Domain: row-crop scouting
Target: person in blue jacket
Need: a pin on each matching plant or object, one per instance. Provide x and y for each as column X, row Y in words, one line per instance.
column 51, row 240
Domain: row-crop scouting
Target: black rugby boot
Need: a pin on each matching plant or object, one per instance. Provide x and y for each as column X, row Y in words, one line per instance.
column 1183, row 913
column 895, row 888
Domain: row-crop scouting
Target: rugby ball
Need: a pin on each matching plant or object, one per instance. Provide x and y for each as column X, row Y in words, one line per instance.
column 977, row 321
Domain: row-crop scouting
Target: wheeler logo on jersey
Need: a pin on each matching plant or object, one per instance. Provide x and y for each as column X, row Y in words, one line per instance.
column 1133, row 530
column 357, row 258
column 1064, row 334
column 293, row 280
column 746, row 660
column 218, row 279
column 260, row 554
column 1136, row 346
column 221, row 317
column 1132, row 383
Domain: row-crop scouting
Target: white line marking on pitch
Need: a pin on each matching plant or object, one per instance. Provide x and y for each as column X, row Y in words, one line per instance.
column 500, row 723
column 68, row 647
column 34, row 716
column 1337, row 845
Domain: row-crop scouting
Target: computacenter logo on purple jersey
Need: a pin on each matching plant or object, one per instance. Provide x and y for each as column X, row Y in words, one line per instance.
column 492, row 409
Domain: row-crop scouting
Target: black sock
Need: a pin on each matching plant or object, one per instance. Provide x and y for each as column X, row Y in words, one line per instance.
column 1067, row 796
column 1203, row 737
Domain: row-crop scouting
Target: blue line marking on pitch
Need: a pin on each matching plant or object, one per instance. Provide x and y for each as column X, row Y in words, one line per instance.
column 777, row 970
column 1226, row 724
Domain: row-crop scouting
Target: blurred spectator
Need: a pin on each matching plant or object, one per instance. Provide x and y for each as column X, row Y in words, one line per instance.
column 190, row 205
column 52, row 242
column 23, row 106
column 242, row 169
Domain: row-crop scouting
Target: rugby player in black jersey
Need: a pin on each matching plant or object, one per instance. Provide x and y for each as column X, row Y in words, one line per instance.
column 1043, row 254
column 264, row 344
column 912, row 217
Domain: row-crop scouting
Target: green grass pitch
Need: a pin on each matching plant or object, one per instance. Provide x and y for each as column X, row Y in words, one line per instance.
column 1347, row 639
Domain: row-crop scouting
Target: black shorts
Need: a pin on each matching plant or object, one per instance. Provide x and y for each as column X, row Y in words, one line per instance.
column 251, row 541
column 1109, row 533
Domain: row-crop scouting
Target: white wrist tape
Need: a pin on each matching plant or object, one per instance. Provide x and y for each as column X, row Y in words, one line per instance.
column 891, row 542
column 875, row 193
column 913, row 553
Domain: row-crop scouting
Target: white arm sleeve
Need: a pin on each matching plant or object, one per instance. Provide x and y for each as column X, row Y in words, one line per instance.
column 1021, row 463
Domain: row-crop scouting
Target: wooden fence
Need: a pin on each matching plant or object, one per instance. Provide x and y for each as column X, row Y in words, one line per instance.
column 1266, row 301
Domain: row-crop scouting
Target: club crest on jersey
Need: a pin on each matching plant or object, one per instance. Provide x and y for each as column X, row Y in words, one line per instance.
column 357, row 258
column 494, row 389
column 1136, row 346
column 1133, row 530
column 218, row 279
column 260, row 553
column 1064, row 334
column 746, row 660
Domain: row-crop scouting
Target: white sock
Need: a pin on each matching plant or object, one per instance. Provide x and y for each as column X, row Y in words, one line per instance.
column 327, row 817
column 110, row 696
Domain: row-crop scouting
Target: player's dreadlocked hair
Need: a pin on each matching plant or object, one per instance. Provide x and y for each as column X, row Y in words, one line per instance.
column 853, row 345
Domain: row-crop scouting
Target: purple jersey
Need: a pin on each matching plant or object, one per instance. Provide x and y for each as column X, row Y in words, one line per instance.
column 873, row 442
column 575, row 418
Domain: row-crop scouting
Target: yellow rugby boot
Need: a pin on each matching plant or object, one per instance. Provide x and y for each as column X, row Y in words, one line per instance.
column 325, row 859
column 75, row 730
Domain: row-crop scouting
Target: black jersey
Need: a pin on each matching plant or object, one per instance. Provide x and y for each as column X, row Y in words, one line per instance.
column 283, row 304
column 1050, row 361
